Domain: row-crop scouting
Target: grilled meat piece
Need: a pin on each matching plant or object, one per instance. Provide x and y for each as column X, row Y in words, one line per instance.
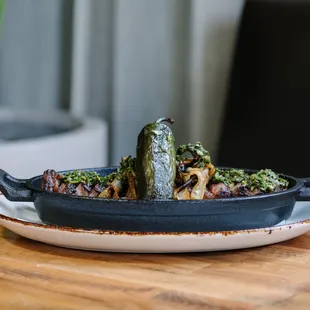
column 208, row 195
column 49, row 181
column 241, row 190
column 63, row 189
column 219, row 190
column 255, row 192
column 93, row 193
column 81, row 190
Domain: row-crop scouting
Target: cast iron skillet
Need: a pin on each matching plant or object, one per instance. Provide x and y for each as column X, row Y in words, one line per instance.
column 156, row 215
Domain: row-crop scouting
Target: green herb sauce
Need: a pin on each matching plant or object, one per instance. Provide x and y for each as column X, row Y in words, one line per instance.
column 197, row 151
column 264, row 180
column 91, row 178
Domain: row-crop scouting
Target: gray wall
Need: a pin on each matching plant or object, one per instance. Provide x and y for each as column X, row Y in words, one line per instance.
column 31, row 53
column 144, row 59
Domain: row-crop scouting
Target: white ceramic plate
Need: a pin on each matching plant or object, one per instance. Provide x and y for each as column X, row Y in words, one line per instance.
column 22, row 219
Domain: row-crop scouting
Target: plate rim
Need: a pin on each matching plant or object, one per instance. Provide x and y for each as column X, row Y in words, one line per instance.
column 145, row 234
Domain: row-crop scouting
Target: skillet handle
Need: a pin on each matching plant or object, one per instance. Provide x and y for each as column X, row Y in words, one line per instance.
column 304, row 193
column 14, row 189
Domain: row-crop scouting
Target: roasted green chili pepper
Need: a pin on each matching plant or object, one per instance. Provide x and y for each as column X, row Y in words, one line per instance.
column 156, row 161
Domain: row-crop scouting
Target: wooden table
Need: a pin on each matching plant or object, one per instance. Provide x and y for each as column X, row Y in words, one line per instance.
column 38, row 276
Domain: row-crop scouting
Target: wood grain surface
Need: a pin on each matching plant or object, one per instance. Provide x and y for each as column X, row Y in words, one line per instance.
column 38, row 276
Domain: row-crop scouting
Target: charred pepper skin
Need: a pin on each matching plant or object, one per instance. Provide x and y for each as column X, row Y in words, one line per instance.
column 156, row 161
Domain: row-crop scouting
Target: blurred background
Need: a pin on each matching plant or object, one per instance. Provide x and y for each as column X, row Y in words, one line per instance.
column 79, row 79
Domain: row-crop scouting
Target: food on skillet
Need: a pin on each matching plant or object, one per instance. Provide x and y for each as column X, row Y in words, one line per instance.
column 121, row 183
column 159, row 171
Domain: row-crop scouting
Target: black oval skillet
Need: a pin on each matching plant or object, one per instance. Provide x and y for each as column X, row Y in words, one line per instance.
column 156, row 215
